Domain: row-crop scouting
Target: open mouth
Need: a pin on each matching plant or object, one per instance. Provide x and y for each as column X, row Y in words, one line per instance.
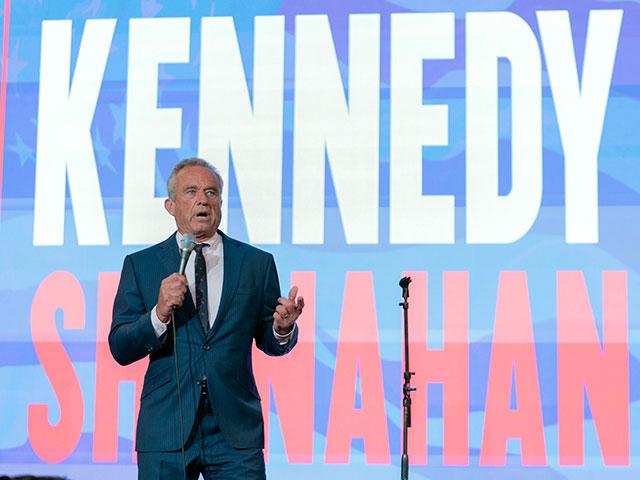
column 202, row 215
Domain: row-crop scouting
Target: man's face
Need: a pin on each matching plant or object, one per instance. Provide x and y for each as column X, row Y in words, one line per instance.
column 196, row 208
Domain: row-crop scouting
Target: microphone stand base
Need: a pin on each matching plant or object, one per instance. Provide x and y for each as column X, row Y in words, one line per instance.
column 404, row 473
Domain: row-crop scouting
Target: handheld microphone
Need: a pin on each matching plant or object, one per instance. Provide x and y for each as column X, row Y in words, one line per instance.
column 187, row 244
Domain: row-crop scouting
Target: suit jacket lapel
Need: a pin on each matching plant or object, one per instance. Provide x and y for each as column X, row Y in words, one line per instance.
column 233, row 256
column 170, row 257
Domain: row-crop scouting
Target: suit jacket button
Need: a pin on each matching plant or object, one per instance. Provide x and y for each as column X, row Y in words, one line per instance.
column 207, row 347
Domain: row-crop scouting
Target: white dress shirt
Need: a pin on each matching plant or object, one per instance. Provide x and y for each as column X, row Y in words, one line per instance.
column 214, row 258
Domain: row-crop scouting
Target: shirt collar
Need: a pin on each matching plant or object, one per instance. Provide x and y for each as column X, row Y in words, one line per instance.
column 213, row 241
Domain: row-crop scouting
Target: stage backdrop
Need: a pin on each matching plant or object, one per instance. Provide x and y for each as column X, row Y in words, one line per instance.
column 487, row 149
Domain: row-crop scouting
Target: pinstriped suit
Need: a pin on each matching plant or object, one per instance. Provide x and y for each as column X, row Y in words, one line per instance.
column 249, row 297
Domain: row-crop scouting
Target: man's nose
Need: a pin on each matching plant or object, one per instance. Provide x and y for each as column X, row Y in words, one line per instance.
column 201, row 197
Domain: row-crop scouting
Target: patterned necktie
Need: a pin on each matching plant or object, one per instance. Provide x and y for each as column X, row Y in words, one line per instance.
column 202, row 302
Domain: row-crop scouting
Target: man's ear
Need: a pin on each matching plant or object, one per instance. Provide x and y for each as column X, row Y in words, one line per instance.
column 170, row 206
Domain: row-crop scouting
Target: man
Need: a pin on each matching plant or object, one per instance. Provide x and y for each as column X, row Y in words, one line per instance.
column 211, row 416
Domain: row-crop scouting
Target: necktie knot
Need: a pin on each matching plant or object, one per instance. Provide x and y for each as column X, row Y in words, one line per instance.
column 199, row 246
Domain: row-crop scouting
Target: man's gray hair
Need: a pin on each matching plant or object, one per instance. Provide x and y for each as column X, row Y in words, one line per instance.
column 190, row 162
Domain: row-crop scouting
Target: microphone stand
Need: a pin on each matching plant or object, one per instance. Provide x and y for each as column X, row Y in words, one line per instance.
column 406, row 387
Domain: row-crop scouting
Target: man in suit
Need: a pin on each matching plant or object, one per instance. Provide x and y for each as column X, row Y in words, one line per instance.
column 199, row 405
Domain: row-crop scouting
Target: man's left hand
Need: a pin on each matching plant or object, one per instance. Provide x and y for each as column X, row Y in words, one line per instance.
column 287, row 312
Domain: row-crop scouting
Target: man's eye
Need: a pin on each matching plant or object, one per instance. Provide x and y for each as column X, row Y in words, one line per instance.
column 212, row 193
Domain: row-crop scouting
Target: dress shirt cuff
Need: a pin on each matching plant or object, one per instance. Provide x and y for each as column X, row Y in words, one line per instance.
column 284, row 339
column 158, row 326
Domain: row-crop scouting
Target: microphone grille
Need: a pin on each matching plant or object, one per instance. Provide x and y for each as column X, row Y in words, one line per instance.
column 188, row 242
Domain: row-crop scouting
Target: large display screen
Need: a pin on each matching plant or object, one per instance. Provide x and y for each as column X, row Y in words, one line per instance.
column 490, row 150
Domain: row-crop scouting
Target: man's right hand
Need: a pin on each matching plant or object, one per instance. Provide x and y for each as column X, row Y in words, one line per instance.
column 171, row 295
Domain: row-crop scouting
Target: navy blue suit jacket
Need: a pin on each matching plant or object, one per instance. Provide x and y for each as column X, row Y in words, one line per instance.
column 249, row 296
